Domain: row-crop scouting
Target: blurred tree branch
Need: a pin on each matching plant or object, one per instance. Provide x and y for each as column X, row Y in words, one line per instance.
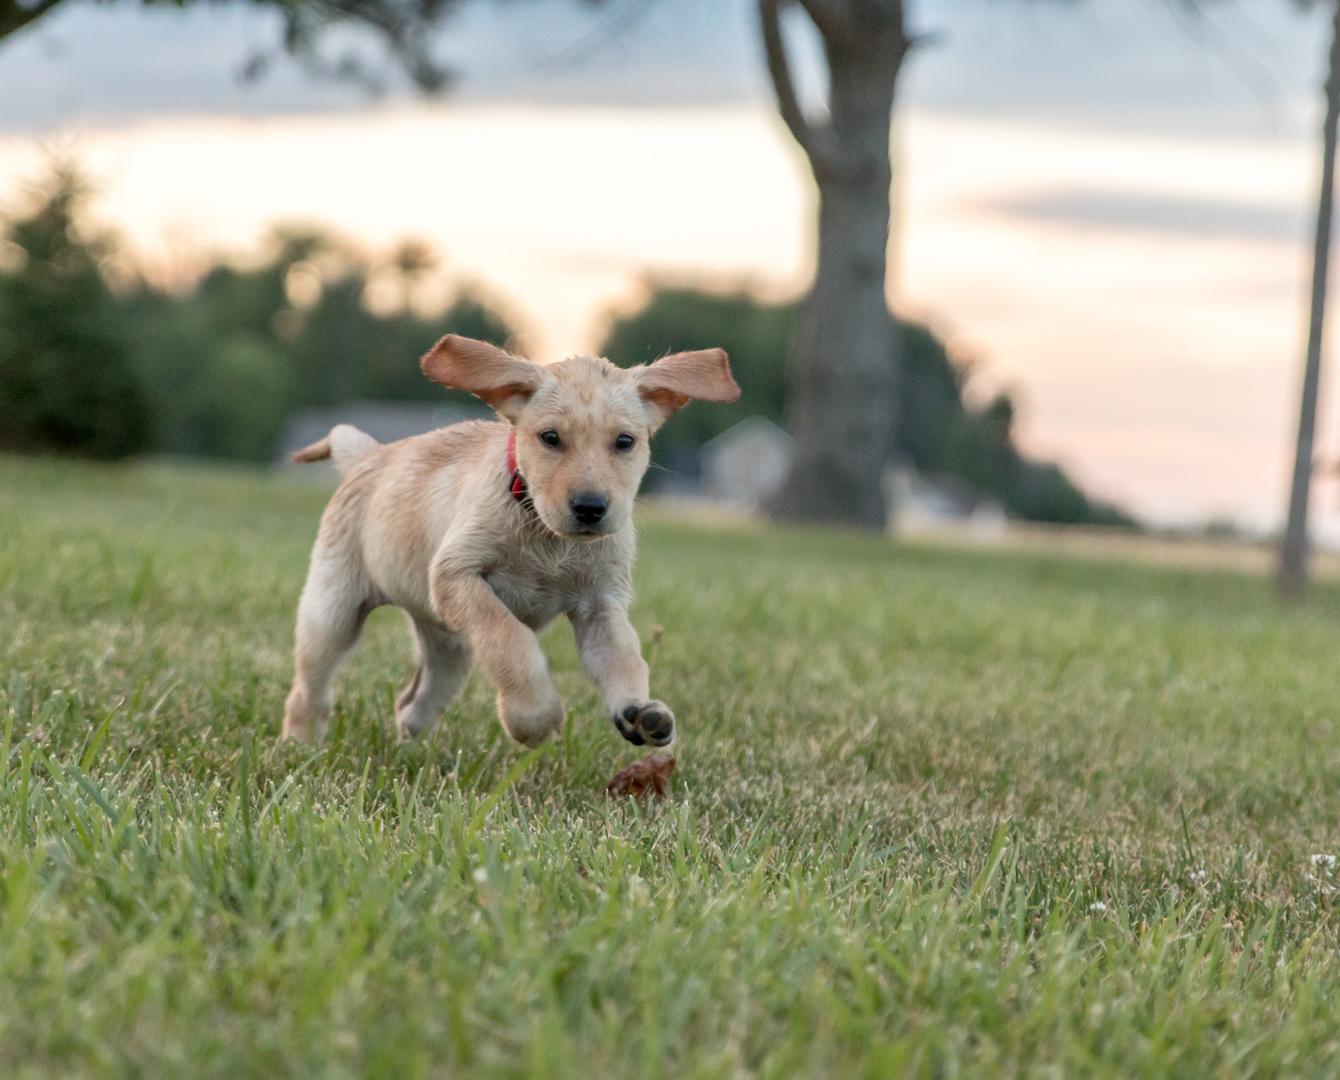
column 15, row 16
column 404, row 28
column 814, row 139
column 832, row 17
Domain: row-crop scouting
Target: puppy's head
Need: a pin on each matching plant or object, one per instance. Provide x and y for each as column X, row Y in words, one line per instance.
column 583, row 425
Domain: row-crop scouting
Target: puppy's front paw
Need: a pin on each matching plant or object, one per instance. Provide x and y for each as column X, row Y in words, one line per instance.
column 646, row 722
column 530, row 723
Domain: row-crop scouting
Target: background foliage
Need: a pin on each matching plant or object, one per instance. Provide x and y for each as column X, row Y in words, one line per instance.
column 938, row 430
column 66, row 378
column 216, row 370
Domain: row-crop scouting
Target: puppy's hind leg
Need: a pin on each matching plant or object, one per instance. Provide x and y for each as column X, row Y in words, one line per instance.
column 330, row 617
column 444, row 665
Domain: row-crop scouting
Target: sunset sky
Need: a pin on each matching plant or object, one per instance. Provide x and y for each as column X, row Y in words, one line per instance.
column 1107, row 205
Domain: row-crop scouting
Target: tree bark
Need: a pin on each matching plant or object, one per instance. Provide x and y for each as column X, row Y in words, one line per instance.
column 1295, row 549
column 843, row 367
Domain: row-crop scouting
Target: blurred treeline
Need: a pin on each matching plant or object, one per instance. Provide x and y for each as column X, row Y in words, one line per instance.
column 100, row 363
column 92, row 369
column 938, row 431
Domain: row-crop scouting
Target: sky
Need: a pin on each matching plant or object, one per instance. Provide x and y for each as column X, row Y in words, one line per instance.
column 1107, row 205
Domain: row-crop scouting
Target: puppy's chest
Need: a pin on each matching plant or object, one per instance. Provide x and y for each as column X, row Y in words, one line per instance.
column 538, row 587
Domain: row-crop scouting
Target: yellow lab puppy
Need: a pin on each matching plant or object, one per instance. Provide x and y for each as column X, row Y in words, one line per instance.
column 485, row 532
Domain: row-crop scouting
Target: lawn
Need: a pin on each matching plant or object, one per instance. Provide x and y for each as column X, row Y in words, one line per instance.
column 937, row 812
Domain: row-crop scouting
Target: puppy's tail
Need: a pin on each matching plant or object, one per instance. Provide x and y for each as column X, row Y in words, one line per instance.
column 345, row 445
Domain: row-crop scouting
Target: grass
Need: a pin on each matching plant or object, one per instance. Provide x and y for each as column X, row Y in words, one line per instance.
column 937, row 812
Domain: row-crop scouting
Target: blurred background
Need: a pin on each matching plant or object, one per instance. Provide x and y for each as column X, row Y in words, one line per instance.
column 227, row 226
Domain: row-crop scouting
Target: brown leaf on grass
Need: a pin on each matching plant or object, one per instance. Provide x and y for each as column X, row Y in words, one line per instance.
column 650, row 776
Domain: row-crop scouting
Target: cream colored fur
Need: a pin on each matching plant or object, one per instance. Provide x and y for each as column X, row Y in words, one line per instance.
column 428, row 524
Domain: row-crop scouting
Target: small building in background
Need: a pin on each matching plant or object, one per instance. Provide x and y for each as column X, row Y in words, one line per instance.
column 926, row 504
column 385, row 421
column 746, row 465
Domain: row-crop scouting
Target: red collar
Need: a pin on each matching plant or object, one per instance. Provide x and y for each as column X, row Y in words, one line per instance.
column 518, row 482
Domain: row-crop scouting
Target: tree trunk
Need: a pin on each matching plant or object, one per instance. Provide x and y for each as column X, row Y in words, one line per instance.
column 1294, row 552
column 843, row 378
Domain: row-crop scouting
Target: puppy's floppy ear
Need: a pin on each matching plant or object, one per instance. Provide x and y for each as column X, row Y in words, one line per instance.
column 673, row 381
column 505, row 382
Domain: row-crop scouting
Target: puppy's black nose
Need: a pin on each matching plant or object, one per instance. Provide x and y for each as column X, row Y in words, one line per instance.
column 588, row 507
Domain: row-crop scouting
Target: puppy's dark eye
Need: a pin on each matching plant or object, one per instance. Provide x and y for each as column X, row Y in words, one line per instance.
column 624, row 442
column 549, row 438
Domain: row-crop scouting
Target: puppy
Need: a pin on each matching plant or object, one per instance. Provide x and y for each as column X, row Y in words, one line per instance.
column 485, row 532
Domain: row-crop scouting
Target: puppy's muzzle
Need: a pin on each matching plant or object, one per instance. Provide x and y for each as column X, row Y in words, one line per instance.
column 588, row 510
